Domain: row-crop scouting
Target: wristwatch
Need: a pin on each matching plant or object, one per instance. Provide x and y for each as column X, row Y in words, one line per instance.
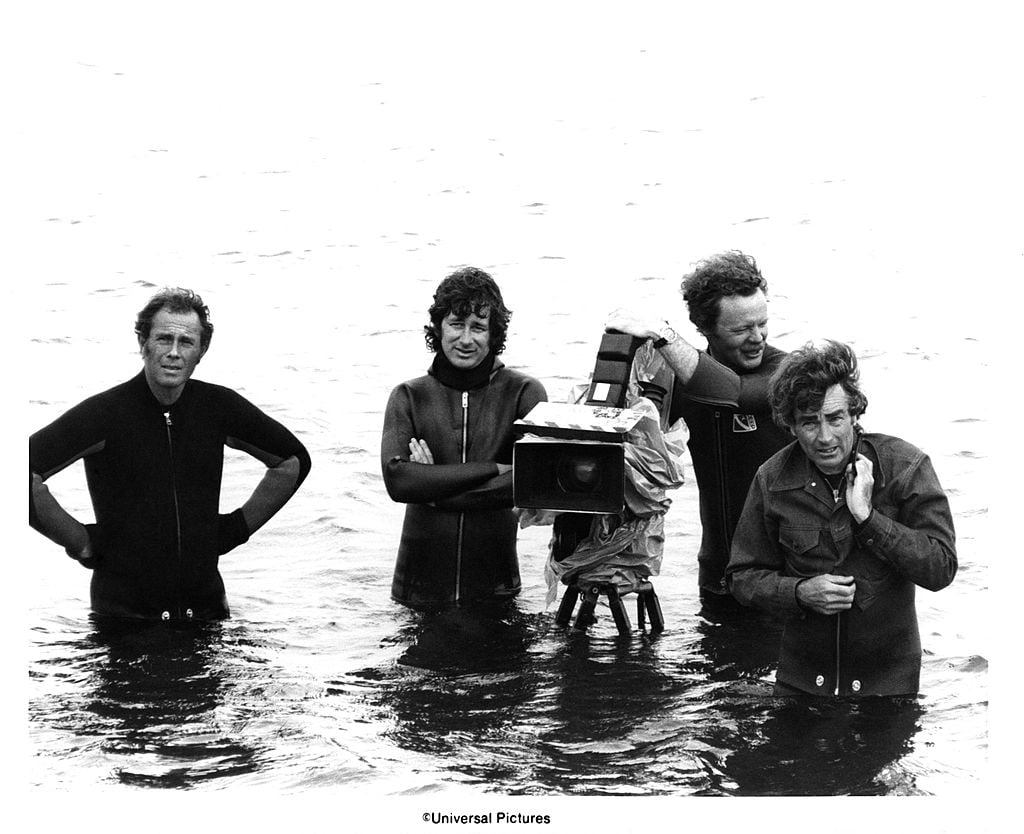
column 665, row 336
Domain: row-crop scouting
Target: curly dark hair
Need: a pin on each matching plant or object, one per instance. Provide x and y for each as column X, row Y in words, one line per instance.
column 175, row 300
column 730, row 273
column 465, row 291
column 805, row 375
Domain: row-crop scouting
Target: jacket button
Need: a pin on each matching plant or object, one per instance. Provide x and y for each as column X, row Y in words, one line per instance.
column 820, row 680
column 855, row 686
column 166, row 615
column 188, row 613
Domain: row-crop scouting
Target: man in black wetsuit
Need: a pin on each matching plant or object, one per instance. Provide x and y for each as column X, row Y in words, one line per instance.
column 722, row 394
column 153, row 450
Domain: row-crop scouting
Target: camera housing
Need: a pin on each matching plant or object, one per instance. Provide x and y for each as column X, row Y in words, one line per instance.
column 566, row 467
column 570, row 457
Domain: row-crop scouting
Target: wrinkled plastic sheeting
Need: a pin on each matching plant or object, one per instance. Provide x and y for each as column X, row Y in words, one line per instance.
column 626, row 548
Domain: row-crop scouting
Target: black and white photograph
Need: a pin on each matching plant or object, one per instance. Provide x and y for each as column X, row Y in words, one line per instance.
column 458, row 416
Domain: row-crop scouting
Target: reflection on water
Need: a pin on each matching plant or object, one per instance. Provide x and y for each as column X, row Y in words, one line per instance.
column 519, row 705
column 802, row 747
column 155, row 704
column 493, row 696
column 460, row 689
column 738, row 642
column 157, row 694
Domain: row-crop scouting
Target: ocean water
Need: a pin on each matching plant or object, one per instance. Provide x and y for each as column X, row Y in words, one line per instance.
column 314, row 175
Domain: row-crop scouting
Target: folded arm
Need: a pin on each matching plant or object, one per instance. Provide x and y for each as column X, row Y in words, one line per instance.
column 494, row 493
column 407, row 463
column 419, row 483
column 412, row 477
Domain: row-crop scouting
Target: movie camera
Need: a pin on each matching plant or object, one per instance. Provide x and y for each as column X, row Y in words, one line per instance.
column 570, row 457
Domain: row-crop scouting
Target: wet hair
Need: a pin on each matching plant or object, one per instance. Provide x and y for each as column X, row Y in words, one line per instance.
column 730, row 273
column 175, row 300
column 468, row 291
column 805, row 375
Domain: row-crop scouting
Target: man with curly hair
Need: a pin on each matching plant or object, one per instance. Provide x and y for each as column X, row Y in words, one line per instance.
column 153, row 449
column 446, row 452
column 721, row 393
column 838, row 529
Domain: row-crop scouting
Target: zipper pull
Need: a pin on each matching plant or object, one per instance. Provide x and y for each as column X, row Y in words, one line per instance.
column 167, row 418
column 465, row 399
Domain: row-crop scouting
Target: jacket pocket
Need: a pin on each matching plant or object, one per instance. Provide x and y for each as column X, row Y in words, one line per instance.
column 807, row 553
column 872, row 575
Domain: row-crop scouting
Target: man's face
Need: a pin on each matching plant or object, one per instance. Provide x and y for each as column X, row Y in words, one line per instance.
column 171, row 352
column 738, row 338
column 466, row 341
column 827, row 435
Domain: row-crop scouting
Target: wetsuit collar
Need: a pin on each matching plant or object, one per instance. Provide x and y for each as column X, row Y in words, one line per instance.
column 743, row 371
column 447, row 374
column 146, row 393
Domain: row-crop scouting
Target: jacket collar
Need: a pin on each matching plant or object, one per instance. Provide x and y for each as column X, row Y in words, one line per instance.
column 796, row 471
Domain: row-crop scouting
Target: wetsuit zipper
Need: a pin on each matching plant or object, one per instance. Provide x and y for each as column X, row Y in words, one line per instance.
column 177, row 511
column 462, row 516
column 722, row 490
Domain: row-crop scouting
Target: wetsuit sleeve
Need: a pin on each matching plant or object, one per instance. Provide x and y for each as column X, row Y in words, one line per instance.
column 714, row 384
column 497, row 492
column 79, row 432
column 492, row 494
column 920, row 542
column 250, row 430
column 756, row 570
column 533, row 393
column 419, row 483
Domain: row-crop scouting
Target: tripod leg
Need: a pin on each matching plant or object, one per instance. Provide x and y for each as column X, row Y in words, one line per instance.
column 567, row 605
column 654, row 609
column 586, row 613
column 618, row 610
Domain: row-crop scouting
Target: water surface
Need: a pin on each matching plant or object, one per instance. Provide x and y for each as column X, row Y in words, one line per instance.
column 316, row 203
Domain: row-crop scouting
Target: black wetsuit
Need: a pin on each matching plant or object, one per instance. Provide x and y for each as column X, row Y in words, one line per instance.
column 459, row 537
column 154, row 475
column 731, row 435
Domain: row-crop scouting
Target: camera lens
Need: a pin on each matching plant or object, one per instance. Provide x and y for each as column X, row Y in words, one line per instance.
column 579, row 473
